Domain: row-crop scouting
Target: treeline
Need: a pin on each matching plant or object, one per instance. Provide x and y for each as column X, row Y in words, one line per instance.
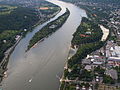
column 87, row 32
column 49, row 29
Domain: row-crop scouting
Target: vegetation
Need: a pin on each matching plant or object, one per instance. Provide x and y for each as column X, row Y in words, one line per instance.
column 13, row 23
column 49, row 29
column 83, row 51
column 108, row 80
column 62, row 86
column 87, row 37
column 9, row 37
column 69, row 87
column 87, row 32
column 99, row 70
column 18, row 20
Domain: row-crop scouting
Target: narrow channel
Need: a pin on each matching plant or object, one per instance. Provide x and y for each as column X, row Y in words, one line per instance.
column 39, row 68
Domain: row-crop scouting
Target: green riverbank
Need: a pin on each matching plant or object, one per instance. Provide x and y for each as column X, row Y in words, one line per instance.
column 88, row 39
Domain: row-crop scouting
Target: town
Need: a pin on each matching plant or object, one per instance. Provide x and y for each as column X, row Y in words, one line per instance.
column 100, row 69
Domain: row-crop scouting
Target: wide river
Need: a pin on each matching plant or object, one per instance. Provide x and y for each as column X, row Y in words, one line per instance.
column 38, row 68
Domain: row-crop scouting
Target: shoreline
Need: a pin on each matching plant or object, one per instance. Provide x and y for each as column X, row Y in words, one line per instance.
column 106, row 33
column 66, row 63
column 5, row 60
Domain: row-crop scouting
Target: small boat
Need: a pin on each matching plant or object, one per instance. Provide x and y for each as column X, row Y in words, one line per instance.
column 30, row 80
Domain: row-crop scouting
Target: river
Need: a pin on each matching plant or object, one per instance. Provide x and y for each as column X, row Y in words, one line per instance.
column 38, row 68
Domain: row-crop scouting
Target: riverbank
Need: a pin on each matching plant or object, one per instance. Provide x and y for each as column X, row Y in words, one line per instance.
column 48, row 29
column 70, row 74
column 3, row 64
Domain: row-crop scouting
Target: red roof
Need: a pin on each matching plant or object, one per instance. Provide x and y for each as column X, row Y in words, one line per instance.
column 83, row 35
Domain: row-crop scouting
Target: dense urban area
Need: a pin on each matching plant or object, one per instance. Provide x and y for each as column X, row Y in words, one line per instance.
column 96, row 63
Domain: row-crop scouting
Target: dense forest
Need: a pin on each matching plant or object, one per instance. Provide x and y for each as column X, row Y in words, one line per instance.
column 18, row 19
column 49, row 29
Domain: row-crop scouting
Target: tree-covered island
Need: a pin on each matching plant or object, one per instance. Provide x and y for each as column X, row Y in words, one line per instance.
column 49, row 29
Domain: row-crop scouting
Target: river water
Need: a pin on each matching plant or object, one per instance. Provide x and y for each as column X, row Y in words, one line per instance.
column 38, row 68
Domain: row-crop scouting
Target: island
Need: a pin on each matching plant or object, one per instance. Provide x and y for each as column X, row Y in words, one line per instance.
column 48, row 29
